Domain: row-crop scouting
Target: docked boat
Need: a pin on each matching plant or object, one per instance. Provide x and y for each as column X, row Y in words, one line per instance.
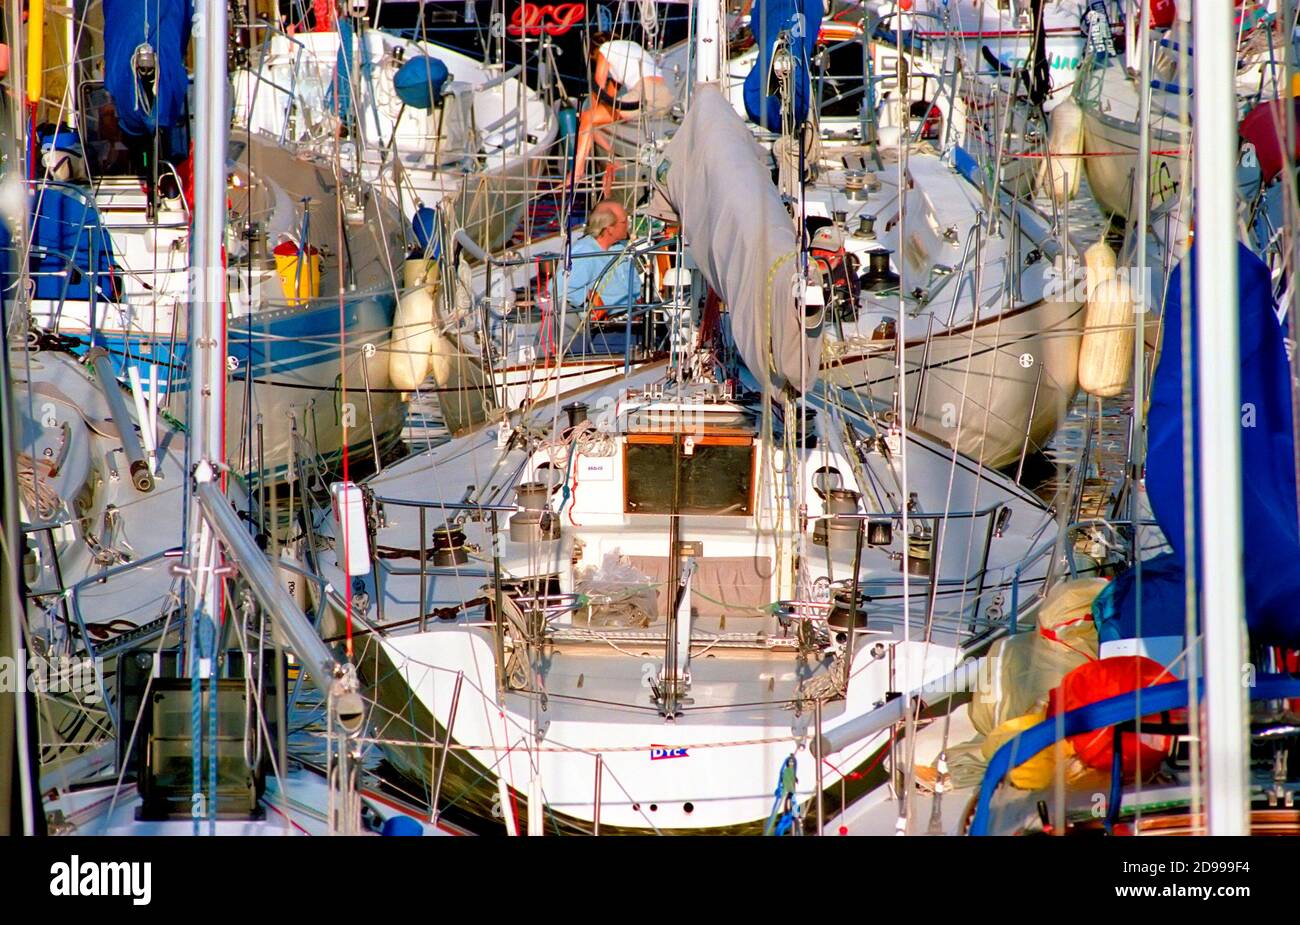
column 993, row 41
column 426, row 126
column 313, row 271
column 1107, row 92
column 990, row 314
column 990, row 317
column 101, row 482
column 630, row 618
column 575, row 645
column 1108, row 96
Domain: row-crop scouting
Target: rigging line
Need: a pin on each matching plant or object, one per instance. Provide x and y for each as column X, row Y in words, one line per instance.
column 901, row 420
column 941, row 537
column 1190, row 599
column 305, row 250
column 1008, row 287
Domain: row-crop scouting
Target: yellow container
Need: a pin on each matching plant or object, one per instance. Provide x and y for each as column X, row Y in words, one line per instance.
column 298, row 286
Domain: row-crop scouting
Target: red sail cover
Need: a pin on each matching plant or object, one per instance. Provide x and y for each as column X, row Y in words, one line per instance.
column 1100, row 680
column 1263, row 128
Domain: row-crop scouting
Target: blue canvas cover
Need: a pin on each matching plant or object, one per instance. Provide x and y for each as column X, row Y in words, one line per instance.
column 165, row 26
column 1271, row 538
column 803, row 19
column 419, row 82
column 69, row 246
column 339, row 97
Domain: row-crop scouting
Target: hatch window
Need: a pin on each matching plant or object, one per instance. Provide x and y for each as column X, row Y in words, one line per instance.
column 707, row 475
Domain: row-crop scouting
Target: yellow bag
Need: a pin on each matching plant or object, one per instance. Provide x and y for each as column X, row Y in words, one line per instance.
column 1039, row 771
column 1066, row 615
column 1029, row 664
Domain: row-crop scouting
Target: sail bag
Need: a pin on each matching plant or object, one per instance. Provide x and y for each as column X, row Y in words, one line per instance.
column 794, row 23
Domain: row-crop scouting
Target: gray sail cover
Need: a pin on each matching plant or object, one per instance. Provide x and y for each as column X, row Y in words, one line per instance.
column 718, row 180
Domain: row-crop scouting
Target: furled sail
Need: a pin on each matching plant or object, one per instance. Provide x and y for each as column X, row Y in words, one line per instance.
column 144, row 69
column 717, row 179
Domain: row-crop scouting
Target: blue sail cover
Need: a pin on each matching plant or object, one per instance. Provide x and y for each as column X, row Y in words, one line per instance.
column 803, row 20
column 1271, row 538
column 165, row 26
column 6, row 260
column 70, row 247
column 338, row 95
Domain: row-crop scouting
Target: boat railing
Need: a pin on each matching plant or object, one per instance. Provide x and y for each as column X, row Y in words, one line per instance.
column 70, row 603
column 91, row 245
column 998, row 515
column 1112, row 525
column 500, row 79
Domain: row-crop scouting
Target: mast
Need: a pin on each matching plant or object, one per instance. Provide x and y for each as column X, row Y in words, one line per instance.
column 1142, row 196
column 207, row 330
column 1219, row 403
column 207, row 348
column 19, row 772
column 709, row 42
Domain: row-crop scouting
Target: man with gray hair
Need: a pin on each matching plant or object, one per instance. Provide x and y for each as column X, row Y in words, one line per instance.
column 602, row 277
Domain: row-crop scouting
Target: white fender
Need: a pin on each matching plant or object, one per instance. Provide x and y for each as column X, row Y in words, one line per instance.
column 413, row 333
column 1059, row 176
column 1106, row 351
column 417, row 271
column 442, row 359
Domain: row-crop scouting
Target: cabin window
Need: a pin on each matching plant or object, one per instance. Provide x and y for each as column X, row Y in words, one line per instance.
column 713, row 476
column 102, row 142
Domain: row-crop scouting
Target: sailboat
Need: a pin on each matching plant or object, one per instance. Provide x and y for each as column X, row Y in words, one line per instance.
column 633, row 615
column 992, row 320
column 1108, row 92
column 991, row 39
column 135, row 544
column 1185, row 747
column 993, row 313
column 310, row 263
column 428, row 126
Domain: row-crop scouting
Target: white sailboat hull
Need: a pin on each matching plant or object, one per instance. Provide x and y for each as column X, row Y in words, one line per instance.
column 994, row 391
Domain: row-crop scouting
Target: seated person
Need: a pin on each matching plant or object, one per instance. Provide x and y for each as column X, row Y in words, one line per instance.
column 600, row 278
column 628, row 83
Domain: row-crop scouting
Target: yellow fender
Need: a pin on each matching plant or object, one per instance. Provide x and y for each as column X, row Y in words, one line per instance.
column 1059, row 175
column 409, row 352
column 1106, row 350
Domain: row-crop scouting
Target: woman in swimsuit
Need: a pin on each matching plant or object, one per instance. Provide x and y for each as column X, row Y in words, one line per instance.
column 628, row 84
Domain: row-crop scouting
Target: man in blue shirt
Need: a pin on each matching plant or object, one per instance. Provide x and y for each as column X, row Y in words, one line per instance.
column 601, row 277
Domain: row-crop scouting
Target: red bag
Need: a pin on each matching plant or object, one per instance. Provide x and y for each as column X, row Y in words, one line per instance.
column 1103, row 679
column 1163, row 13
